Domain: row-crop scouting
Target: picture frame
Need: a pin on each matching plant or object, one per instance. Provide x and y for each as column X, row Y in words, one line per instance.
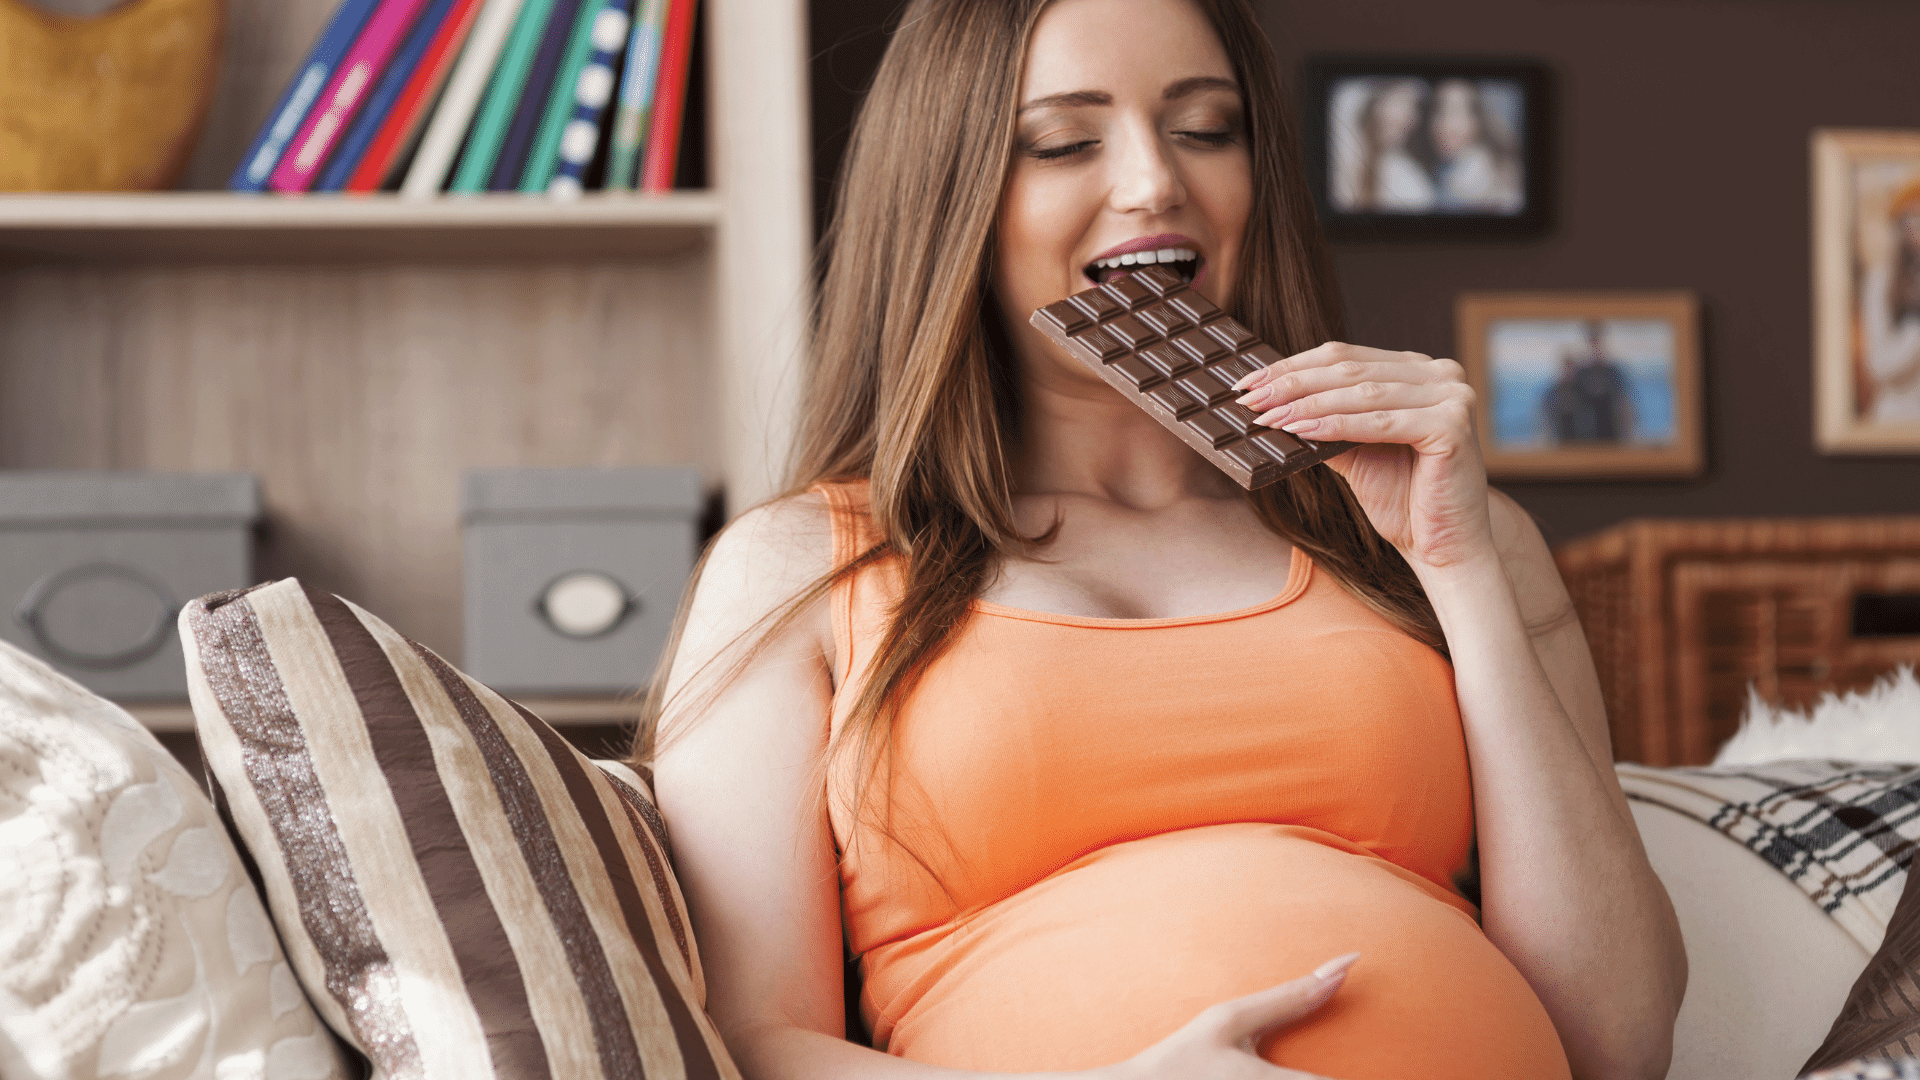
column 1584, row 385
column 1866, row 284
column 1405, row 148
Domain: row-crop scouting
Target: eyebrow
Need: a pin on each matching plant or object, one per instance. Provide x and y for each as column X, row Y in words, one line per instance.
column 1174, row 91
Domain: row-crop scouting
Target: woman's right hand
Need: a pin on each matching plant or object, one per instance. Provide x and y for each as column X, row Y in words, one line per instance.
column 1219, row 1043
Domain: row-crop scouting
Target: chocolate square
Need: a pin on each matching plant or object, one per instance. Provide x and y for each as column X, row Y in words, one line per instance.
column 1141, row 308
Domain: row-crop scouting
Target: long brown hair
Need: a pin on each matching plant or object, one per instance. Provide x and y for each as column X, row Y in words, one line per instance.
column 912, row 379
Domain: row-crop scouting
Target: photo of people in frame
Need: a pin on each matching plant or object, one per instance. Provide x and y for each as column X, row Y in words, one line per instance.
column 1867, row 283
column 1577, row 385
column 1581, row 382
column 1406, row 147
column 1887, row 286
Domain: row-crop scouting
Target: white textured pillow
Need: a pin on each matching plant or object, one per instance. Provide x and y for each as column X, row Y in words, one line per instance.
column 131, row 941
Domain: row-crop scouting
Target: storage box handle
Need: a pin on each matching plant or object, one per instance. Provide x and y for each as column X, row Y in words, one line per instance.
column 32, row 615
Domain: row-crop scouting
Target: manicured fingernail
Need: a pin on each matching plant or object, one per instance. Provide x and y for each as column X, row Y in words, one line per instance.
column 1255, row 398
column 1257, row 379
column 1335, row 966
column 1274, row 416
column 1299, row 427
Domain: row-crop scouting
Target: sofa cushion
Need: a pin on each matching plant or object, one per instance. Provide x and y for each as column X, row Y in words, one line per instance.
column 462, row 893
column 1766, row 968
column 131, row 941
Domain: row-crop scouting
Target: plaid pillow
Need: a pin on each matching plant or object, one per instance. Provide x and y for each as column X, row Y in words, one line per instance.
column 462, row 894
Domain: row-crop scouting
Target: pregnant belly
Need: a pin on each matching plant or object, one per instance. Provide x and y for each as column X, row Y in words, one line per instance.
column 1122, row 947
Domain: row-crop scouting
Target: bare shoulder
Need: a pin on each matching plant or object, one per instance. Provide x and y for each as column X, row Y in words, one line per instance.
column 759, row 564
column 786, row 542
column 1544, row 602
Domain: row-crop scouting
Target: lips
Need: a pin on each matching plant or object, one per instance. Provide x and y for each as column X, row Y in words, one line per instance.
column 1179, row 253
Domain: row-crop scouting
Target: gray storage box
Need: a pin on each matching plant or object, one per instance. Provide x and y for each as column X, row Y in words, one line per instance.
column 573, row 576
column 94, row 566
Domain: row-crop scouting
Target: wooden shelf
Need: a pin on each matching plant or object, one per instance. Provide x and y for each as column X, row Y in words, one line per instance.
column 224, row 227
column 175, row 716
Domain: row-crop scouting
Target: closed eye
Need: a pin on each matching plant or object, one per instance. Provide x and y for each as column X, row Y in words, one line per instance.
column 1051, row 152
column 1224, row 137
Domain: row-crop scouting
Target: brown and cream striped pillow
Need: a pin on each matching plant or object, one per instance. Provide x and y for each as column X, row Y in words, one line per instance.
column 462, row 893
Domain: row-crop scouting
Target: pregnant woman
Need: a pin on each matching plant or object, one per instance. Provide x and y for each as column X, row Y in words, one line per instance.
column 1094, row 762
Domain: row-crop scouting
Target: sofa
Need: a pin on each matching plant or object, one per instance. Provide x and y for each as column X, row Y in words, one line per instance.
column 88, row 800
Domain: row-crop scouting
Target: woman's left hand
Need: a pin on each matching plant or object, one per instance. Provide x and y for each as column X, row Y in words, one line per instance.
column 1418, row 473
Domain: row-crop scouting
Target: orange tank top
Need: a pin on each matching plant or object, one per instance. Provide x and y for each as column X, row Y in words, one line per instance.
column 1095, row 828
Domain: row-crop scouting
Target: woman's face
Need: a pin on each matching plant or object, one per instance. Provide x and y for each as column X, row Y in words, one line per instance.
column 1396, row 112
column 1455, row 124
column 1130, row 143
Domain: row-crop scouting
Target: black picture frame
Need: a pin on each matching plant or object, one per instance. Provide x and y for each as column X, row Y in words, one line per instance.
column 1335, row 81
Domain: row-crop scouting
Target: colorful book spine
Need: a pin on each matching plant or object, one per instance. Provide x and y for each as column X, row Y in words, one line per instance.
column 367, row 123
column 409, row 113
column 533, row 98
column 592, row 92
column 636, row 96
column 503, row 95
column 670, row 100
column 350, row 86
column 544, row 158
column 257, row 167
column 454, row 114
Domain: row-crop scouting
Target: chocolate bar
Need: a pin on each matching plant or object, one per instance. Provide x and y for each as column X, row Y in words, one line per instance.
column 1176, row 355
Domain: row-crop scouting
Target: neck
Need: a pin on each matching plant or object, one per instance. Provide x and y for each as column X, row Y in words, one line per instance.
column 1080, row 437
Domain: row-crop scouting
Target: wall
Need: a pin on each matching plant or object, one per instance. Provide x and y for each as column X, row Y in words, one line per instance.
column 1682, row 163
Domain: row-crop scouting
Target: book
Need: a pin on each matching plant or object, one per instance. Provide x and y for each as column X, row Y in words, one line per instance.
column 533, row 97
column 284, row 122
column 353, row 145
column 409, row 113
column 452, row 117
column 503, row 95
column 544, row 157
column 593, row 92
column 669, row 99
column 338, row 102
column 636, row 96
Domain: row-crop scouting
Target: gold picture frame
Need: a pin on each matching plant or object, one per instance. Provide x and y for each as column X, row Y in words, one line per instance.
column 1866, row 291
column 1584, row 385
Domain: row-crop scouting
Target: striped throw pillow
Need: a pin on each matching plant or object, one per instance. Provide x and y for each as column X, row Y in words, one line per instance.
column 462, row 894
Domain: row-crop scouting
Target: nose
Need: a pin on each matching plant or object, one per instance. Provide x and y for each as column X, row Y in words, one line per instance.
column 1145, row 178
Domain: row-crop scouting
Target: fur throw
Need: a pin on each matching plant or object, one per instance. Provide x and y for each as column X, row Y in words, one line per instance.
column 1881, row 723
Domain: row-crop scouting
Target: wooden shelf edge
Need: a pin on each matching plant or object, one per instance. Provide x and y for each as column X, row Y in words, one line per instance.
column 236, row 210
column 572, row 711
column 218, row 226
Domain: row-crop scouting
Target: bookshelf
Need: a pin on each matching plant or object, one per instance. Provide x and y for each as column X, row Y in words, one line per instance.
column 360, row 352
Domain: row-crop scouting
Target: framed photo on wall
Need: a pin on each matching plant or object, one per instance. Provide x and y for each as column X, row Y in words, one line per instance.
column 1866, row 279
column 1406, row 148
column 1584, row 385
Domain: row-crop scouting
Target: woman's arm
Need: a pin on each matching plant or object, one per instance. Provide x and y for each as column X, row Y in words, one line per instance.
column 739, row 775
column 740, row 781
column 1572, row 898
column 1567, row 892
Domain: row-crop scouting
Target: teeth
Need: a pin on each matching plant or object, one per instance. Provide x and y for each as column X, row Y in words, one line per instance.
column 1163, row 255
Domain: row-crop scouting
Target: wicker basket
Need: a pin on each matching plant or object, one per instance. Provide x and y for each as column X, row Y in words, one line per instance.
column 1684, row 616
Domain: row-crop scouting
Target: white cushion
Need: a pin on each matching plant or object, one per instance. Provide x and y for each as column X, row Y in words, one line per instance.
column 1767, row 969
column 131, row 941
